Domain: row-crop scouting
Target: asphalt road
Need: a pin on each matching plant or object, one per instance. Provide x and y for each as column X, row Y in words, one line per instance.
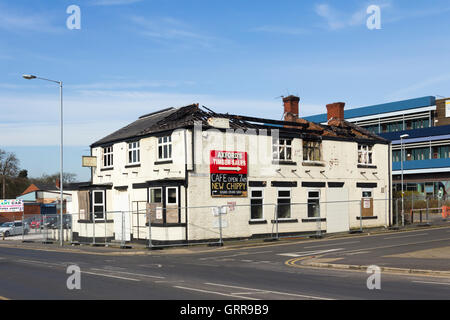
column 247, row 273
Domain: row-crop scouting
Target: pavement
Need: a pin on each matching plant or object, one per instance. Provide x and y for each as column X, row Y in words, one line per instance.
column 242, row 271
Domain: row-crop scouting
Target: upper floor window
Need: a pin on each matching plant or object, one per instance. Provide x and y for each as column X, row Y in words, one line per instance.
column 312, row 150
column 364, row 154
column 282, row 149
column 108, row 156
column 133, row 152
column 165, row 148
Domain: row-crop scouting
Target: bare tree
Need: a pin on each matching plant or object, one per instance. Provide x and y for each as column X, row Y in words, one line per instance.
column 9, row 166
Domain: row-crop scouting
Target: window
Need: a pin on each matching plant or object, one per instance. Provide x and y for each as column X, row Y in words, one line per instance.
column 133, row 152
column 312, row 150
column 314, row 204
column 156, row 195
column 282, row 149
column 172, row 196
column 367, row 194
column 165, row 148
column 284, row 204
column 98, row 204
column 364, row 154
column 256, row 204
column 419, row 154
column 108, row 157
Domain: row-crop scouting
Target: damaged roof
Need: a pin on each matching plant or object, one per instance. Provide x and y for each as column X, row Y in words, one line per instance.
column 174, row 118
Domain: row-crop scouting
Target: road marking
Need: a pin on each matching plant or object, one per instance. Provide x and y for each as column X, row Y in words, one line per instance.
column 336, row 244
column 430, row 282
column 109, row 276
column 412, row 235
column 269, row 291
column 41, row 262
column 235, row 255
column 308, row 253
column 130, row 273
column 247, row 260
column 215, row 292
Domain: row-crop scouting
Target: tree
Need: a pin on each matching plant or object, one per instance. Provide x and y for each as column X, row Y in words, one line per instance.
column 9, row 166
column 51, row 178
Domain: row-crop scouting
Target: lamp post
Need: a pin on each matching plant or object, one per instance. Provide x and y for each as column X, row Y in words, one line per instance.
column 30, row 77
column 403, row 136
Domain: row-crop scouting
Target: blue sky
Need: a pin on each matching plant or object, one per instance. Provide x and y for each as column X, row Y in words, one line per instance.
column 133, row 57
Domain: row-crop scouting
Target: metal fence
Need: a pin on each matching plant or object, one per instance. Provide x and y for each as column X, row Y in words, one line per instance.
column 420, row 210
column 156, row 226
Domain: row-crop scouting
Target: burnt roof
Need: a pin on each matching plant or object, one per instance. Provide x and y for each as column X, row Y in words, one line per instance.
column 174, row 118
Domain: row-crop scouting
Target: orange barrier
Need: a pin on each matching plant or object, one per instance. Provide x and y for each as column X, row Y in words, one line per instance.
column 445, row 212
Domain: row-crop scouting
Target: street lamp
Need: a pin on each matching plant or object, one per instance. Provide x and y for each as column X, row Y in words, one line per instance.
column 30, row 77
column 403, row 136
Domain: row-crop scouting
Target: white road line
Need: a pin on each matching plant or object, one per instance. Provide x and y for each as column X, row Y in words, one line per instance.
column 430, row 282
column 411, row 235
column 41, row 262
column 129, row 273
column 247, row 260
column 269, row 291
column 235, row 255
column 109, row 276
column 330, row 244
column 215, row 292
column 308, row 253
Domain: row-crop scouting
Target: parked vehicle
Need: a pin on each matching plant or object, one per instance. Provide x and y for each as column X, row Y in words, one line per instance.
column 36, row 224
column 13, row 228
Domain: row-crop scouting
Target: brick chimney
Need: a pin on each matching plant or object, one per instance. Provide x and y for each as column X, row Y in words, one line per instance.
column 291, row 108
column 335, row 111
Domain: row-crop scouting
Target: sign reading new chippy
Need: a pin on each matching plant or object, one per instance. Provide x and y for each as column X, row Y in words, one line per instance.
column 228, row 171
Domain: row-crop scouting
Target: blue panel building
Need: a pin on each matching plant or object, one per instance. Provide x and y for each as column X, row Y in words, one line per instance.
column 424, row 124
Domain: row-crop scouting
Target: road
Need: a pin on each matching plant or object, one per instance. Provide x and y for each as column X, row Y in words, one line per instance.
column 242, row 273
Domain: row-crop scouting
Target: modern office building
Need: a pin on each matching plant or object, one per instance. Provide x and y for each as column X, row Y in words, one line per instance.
column 424, row 124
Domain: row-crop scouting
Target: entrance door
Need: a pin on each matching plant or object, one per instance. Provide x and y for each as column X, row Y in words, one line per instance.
column 337, row 210
column 139, row 219
column 367, row 203
column 122, row 227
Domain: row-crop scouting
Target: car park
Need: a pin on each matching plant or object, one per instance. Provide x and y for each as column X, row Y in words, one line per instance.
column 13, row 228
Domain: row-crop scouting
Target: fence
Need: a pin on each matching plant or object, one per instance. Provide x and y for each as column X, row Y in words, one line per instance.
column 420, row 210
column 156, row 226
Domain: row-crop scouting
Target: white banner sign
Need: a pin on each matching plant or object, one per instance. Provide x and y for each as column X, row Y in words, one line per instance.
column 11, row 205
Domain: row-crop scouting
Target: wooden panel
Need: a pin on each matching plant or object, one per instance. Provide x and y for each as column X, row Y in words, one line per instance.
column 365, row 202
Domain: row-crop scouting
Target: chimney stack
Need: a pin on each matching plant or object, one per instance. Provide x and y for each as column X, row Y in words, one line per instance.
column 291, row 108
column 335, row 111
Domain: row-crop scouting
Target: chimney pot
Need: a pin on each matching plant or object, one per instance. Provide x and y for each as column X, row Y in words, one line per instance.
column 335, row 111
column 291, row 108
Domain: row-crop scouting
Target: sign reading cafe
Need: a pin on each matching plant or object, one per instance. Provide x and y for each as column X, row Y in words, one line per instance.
column 228, row 170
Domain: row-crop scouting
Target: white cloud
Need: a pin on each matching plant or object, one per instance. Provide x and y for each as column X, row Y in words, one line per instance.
column 169, row 29
column 418, row 87
column 26, row 21
column 281, row 30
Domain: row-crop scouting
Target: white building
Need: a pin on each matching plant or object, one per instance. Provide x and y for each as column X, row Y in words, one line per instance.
column 293, row 174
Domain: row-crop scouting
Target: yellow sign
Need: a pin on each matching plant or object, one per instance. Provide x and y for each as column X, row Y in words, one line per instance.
column 88, row 161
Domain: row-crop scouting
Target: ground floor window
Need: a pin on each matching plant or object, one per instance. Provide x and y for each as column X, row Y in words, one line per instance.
column 156, row 195
column 172, row 196
column 98, row 204
column 314, row 204
column 256, row 204
column 284, row 203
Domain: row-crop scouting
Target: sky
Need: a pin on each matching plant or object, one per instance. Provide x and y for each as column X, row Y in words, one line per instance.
column 133, row 57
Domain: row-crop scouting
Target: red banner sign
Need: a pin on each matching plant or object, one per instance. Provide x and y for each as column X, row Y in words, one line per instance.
column 230, row 162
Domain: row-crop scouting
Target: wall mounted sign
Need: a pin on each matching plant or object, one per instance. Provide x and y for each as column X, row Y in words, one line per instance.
column 228, row 172
column 88, row 161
